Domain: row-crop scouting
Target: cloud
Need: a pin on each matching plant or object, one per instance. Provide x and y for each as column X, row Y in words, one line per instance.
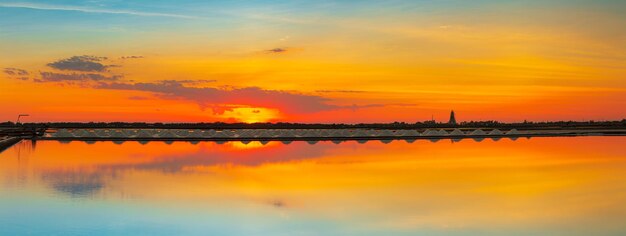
column 138, row 98
column 15, row 71
column 217, row 99
column 340, row 91
column 277, row 50
column 74, row 77
column 131, row 57
column 80, row 63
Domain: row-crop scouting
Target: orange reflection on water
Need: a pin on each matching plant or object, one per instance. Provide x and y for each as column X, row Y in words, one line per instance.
column 543, row 183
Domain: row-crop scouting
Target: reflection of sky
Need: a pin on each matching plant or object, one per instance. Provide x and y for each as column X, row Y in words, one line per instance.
column 541, row 186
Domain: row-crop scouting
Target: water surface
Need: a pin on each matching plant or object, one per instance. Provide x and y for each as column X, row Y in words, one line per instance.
column 538, row 186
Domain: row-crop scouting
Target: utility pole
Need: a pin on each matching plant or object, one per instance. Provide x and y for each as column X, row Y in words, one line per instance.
column 20, row 116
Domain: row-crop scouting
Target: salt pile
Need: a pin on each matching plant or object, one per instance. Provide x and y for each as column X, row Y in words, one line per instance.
column 430, row 132
column 63, row 133
column 164, row 133
column 79, row 133
column 478, row 132
column 513, row 132
column 496, row 132
column 195, row 134
column 412, row 133
column 457, row 132
column 181, row 133
column 102, row 133
column 117, row 134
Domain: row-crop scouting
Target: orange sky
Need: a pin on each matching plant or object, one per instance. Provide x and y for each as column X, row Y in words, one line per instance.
column 367, row 62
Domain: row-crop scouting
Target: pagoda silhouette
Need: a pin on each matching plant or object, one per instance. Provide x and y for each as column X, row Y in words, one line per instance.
column 452, row 120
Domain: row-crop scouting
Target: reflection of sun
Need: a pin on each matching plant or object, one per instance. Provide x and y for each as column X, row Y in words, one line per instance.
column 251, row 145
column 252, row 114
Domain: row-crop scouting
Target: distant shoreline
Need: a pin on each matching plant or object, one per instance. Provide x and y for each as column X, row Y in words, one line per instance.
column 283, row 125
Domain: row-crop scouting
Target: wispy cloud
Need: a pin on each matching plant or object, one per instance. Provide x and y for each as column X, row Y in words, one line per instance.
column 208, row 97
column 277, row 50
column 39, row 6
column 56, row 77
column 80, row 63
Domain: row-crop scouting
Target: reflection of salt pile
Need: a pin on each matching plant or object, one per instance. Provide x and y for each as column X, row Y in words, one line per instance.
column 478, row 132
column 457, row 132
column 478, row 140
column 496, row 132
column 513, row 132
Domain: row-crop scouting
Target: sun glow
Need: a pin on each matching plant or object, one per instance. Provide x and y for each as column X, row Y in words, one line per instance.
column 252, row 114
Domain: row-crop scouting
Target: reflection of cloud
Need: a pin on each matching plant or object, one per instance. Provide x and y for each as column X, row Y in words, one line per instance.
column 57, row 77
column 75, row 184
column 211, row 97
column 214, row 156
column 80, row 63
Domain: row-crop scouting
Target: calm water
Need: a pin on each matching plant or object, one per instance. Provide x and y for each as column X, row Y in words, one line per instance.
column 541, row 186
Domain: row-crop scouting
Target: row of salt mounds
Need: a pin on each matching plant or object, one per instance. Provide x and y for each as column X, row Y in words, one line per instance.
column 196, row 133
column 209, row 133
column 442, row 132
column 163, row 133
column 130, row 132
column 90, row 134
column 496, row 132
column 117, row 134
column 359, row 133
column 63, row 133
column 457, row 132
column 79, row 133
column 513, row 132
column 411, row 133
column 478, row 132
column 182, row 133
column 102, row 133
column 146, row 133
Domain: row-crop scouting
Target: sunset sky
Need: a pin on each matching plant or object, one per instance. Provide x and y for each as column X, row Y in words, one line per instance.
column 312, row 61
